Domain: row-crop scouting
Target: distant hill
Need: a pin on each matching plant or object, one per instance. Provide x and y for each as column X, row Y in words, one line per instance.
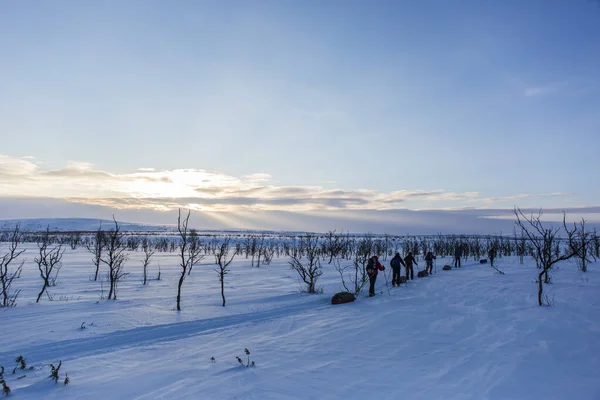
column 75, row 224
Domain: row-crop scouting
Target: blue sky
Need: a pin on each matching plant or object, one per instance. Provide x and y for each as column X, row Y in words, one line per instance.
column 416, row 104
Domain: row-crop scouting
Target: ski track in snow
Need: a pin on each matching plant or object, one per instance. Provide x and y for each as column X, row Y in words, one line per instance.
column 462, row 334
column 152, row 335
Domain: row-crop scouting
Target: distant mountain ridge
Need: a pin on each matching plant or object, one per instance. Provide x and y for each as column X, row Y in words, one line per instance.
column 75, row 224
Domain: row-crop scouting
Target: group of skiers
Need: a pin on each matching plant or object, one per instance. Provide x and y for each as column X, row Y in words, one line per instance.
column 374, row 266
column 396, row 263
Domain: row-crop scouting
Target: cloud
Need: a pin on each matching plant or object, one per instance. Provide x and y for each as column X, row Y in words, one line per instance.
column 400, row 196
column 70, row 173
column 15, row 167
column 520, row 197
column 259, row 177
column 148, row 189
column 226, row 203
column 547, row 89
column 534, row 91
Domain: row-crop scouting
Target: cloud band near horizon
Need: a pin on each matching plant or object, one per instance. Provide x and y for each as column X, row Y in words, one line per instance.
column 198, row 189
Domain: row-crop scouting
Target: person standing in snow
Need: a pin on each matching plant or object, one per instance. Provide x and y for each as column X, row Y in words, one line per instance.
column 396, row 264
column 429, row 257
column 409, row 260
column 373, row 267
column 457, row 255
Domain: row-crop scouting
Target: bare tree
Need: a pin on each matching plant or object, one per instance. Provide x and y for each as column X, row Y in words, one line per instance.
column 308, row 267
column 543, row 241
column 268, row 251
column 188, row 251
column 493, row 245
column 332, row 245
column 357, row 275
column 596, row 244
column 75, row 240
column 520, row 244
column 133, row 242
column 48, row 261
column 96, row 246
column 9, row 297
column 248, row 246
column 148, row 253
column 583, row 245
column 195, row 247
column 259, row 248
column 115, row 258
column 223, row 261
column 253, row 244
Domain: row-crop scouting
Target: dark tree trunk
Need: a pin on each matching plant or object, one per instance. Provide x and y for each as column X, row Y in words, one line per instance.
column 223, row 288
column 46, row 284
column 112, row 286
column 181, row 278
column 97, row 270
column 541, row 287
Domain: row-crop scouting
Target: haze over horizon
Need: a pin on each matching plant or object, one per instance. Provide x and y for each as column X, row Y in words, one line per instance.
column 380, row 116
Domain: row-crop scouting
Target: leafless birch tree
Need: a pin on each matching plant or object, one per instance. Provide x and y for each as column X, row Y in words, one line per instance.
column 223, row 261
column 48, row 261
column 7, row 276
column 148, row 253
column 115, row 258
column 544, row 241
column 96, row 246
column 583, row 245
column 189, row 251
column 307, row 263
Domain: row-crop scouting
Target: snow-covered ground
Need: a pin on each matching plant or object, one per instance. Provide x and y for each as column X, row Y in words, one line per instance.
column 460, row 334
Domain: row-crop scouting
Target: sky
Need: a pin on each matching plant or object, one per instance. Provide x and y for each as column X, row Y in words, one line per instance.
column 334, row 110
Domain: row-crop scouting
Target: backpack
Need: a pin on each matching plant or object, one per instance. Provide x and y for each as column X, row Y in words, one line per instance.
column 395, row 263
column 371, row 267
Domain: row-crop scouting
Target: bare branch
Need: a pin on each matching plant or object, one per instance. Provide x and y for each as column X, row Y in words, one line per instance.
column 9, row 297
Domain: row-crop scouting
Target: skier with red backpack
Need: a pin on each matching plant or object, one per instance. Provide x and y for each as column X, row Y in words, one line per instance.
column 373, row 267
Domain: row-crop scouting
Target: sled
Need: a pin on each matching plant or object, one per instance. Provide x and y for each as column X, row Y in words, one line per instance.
column 483, row 261
column 342, row 297
column 447, row 268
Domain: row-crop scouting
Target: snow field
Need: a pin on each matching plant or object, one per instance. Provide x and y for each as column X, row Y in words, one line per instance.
column 462, row 334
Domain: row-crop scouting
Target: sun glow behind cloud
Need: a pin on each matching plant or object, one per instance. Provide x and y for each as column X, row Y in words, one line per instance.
column 149, row 189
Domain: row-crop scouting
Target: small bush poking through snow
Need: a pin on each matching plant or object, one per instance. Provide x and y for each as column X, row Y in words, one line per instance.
column 248, row 364
column 54, row 373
